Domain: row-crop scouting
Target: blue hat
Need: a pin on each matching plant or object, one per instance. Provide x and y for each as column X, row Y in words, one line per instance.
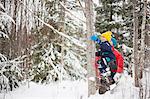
column 114, row 41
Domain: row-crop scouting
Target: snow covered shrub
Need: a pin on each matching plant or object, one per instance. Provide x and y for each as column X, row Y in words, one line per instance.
column 10, row 73
column 73, row 66
column 44, row 63
column 47, row 67
column 46, row 54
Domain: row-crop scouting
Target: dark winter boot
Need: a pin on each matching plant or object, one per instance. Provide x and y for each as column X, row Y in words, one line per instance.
column 103, row 86
column 111, row 80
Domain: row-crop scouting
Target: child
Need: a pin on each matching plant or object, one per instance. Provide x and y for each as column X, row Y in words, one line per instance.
column 108, row 59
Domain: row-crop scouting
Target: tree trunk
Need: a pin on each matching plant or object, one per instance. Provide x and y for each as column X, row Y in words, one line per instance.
column 135, row 44
column 90, row 45
column 111, row 12
column 142, row 40
column 62, row 29
column 147, row 52
column 13, row 52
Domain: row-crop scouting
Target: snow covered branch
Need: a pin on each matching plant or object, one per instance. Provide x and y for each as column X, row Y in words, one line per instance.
column 10, row 73
column 71, row 13
column 7, row 16
column 75, row 41
column 82, row 7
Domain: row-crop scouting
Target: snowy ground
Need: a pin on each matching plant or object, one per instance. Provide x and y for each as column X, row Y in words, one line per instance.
column 124, row 90
column 64, row 90
column 72, row 90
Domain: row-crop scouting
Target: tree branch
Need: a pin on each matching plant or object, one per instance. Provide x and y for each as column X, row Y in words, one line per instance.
column 75, row 41
column 82, row 8
column 71, row 13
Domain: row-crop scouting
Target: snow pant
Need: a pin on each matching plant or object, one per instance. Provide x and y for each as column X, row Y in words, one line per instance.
column 113, row 68
column 112, row 74
column 102, row 65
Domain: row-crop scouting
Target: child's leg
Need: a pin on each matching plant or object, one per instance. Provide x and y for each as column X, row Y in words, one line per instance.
column 112, row 65
column 113, row 69
column 112, row 74
column 102, row 67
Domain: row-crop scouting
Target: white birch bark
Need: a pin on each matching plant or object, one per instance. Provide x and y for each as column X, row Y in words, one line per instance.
column 90, row 46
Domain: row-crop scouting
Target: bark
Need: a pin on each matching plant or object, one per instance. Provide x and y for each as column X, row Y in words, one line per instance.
column 62, row 29
column 20, row 31
column 111, row 11
column 13, row 52
column 147, row 51
column 90, row 45
column 142, row 40
column 123, row 3
column 135, row 44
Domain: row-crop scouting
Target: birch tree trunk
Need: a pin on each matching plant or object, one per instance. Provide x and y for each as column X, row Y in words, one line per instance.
column 142, row 40
column 90, row 45
column 135, row 44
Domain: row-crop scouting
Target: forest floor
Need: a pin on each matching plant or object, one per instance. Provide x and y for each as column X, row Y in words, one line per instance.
column 63, row 90
column 124, row 90
column 72, row 90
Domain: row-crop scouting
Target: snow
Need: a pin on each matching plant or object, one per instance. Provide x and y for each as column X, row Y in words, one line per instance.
column 126, row 34
column 126, row 48
column 96, row 2
column 124, row 90
column 73, row 90
column 91, row 78
column 64, row 90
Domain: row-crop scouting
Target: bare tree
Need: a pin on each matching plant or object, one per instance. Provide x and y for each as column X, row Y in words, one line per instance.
column 90, row 45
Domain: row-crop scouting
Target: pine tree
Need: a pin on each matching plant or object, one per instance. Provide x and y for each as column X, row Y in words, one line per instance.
column 64, row 68
column 107, row 12
column 116, row 16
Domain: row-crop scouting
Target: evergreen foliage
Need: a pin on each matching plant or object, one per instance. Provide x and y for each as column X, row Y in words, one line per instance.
column 116, row 16
column 46, row 51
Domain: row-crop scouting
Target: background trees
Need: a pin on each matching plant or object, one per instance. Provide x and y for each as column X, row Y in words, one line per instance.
column 52, row 34
column 36, row 29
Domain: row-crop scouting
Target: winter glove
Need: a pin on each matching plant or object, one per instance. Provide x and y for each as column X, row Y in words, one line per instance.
column 94, row 37
column 117, row 77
